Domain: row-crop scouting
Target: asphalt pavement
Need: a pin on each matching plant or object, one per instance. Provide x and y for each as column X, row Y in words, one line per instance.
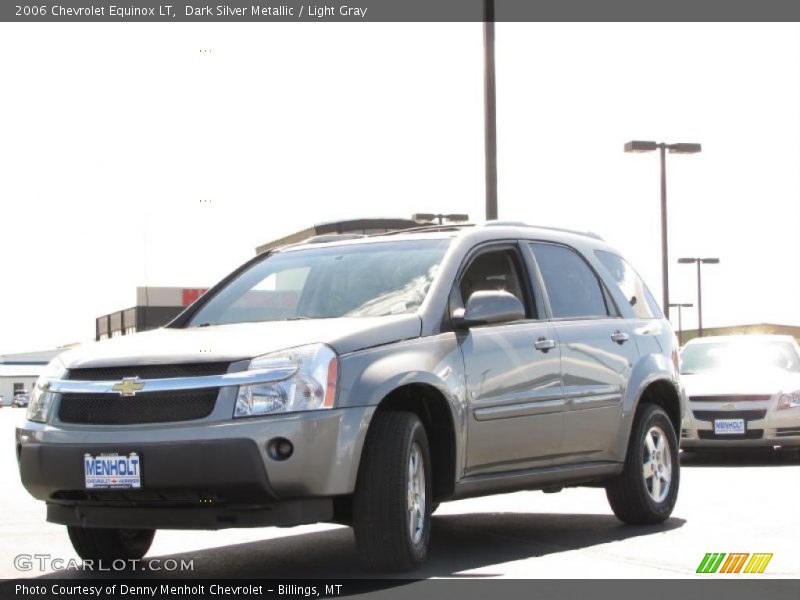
column 727, row 503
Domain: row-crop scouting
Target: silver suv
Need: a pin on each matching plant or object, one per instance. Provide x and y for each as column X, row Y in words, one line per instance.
column 364, row 381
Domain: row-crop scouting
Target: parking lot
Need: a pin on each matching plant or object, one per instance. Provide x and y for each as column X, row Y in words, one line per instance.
column 727, row 503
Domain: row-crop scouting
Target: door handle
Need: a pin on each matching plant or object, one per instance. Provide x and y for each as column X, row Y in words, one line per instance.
column 619, row 336
column 544, row 344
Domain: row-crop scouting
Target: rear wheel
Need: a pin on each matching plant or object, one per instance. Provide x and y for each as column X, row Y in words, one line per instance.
column 94, row 543
column 646, row 490
column 392, row 503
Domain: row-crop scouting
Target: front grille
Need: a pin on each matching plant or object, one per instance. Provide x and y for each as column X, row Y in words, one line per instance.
column 731, row 398
column 747, row 415
column 787, row 431
column 148, row 371
column 751, row 434
column 145, row 407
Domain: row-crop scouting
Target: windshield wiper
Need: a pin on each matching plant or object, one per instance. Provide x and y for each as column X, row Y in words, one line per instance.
column 206, row 324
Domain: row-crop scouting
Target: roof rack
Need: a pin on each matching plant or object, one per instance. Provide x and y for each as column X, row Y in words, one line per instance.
column 590, row 234
column 332, row 237
column 425, row 228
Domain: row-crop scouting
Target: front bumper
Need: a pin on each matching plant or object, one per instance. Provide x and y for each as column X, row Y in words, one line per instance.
column 205, row 475
column 717, row 442
column 764, row 427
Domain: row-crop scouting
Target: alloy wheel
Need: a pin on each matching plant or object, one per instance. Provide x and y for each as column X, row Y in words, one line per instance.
column 657, row 464
column 416, row 494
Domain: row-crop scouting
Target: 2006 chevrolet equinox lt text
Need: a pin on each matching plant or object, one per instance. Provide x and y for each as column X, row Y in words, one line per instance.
column 364, row 381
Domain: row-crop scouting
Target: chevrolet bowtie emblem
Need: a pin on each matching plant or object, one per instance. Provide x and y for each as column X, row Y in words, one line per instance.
column 729, row 405
column 128, row 386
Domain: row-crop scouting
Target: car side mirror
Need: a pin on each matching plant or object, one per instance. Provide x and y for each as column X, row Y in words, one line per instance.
column 486, row 307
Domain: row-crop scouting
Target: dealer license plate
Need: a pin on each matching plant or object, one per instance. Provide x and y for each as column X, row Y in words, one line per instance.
column 729, row 427
column 112, row 471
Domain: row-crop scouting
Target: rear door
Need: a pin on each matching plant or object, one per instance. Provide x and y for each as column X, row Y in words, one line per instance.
column 598, row 351
column 513, row 388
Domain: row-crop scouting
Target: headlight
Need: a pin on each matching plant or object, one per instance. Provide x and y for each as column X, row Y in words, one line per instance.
column 312, row 386
column 41, row 399
column 789, row 400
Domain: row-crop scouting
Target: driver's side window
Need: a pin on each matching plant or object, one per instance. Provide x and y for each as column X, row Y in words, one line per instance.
column 494, row 270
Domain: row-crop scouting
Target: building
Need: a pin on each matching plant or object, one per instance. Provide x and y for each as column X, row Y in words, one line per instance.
column 155, row 307
column 18, row 372
column 352, row 226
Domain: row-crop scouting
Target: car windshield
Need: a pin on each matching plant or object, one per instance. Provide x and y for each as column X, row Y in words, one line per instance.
column 356, row 280
column 740, row 355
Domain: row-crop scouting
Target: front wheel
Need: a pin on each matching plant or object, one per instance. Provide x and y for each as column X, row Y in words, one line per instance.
column 646, row 490
column 108, row 545
column 392, row 502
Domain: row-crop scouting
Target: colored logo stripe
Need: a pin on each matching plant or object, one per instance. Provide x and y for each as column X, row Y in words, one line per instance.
column 734, row 562
column 758, row 563
column 713, row 562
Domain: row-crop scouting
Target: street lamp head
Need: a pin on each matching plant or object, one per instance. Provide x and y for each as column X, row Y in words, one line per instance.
column 639, row 146
column 710, row 261
column 687, row 261
column 456, row 218
column 684, row 148
column 429, row 217
column 682, row 304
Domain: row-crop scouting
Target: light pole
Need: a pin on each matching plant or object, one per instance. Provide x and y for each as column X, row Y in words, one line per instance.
column 680, row 320
column 639, row 146
column 699, row 261
column 490, row 110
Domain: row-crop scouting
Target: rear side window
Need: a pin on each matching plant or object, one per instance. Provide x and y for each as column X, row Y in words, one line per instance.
column 632, row 286
column 572, row 287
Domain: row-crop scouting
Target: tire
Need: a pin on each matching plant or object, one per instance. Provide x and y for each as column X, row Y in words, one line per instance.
column 634, row 498
column 381, row 517
column 92, row 543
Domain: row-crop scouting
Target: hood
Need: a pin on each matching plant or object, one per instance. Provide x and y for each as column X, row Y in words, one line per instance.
column 723, row 383
column 242, row 341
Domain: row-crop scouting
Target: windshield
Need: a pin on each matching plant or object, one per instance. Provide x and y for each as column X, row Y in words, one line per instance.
column 358, row 280
column 740, row 355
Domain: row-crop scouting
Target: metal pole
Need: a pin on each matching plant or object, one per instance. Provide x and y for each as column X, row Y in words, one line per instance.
column 680, row 326
column 664, row 248
column 491, row 110
column 699, row 302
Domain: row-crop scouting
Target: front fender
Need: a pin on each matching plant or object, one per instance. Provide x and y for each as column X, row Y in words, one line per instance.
column 649, row 369
column 369, row 376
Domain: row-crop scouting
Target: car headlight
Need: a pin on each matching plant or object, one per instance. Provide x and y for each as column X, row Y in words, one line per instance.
column 791, row 400
column 41, row 399
column 312, row 385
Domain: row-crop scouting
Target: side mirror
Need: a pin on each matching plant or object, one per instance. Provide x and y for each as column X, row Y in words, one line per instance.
column 487, row 307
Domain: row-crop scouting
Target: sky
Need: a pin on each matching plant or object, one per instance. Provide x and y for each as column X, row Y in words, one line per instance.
column 130, row 157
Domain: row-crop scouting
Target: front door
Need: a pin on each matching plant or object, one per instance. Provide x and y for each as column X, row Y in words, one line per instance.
column 513, row 380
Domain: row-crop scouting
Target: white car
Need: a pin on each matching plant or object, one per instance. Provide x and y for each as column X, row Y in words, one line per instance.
column 742, row 390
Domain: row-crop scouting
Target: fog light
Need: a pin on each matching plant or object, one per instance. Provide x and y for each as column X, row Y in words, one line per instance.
column 280, row 448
